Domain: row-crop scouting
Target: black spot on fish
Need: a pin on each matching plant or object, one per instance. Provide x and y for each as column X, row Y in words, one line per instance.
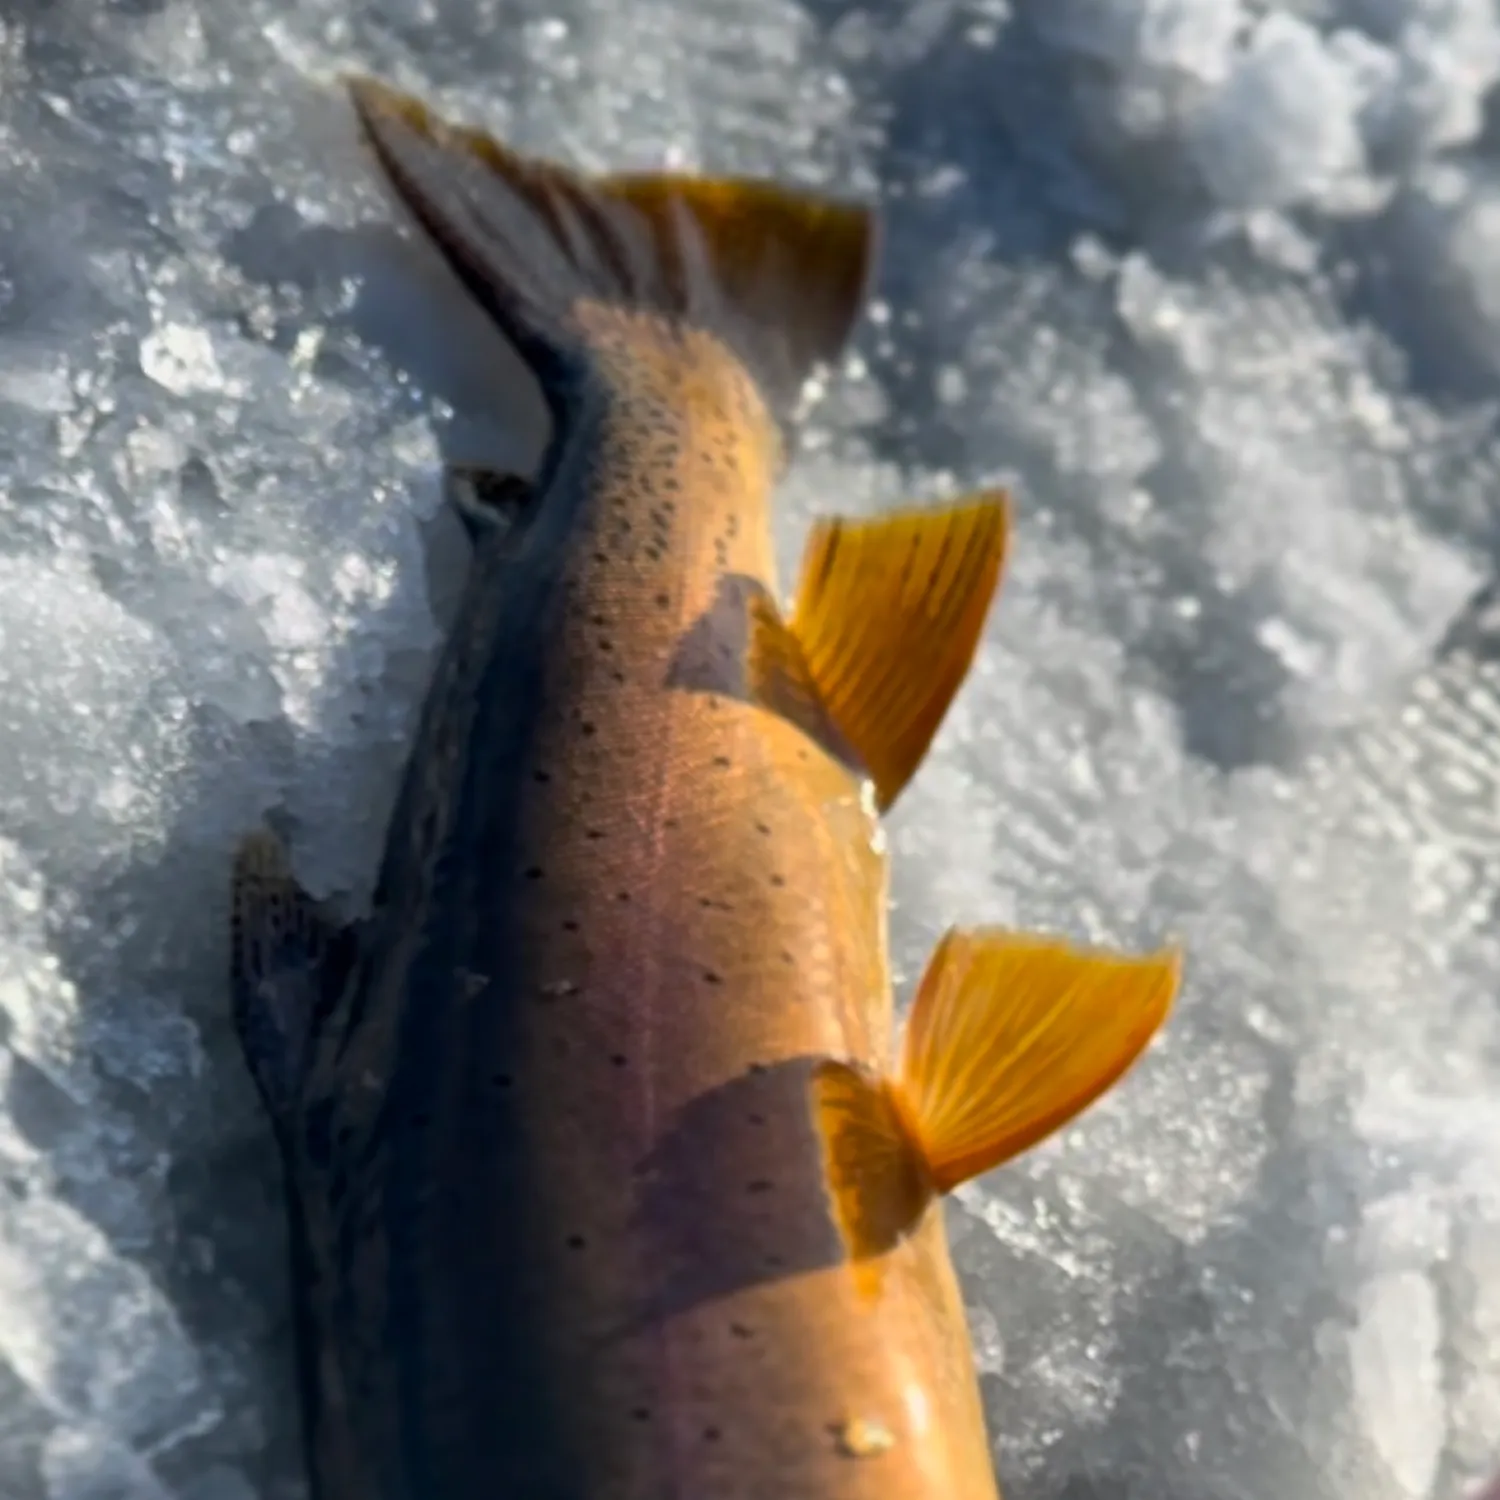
column 569, row 925
column 755, row 1118
column 576, row 1242
column 788, row 958
column 778, row 881
column 740, row 1331
column 711, row 976
column 722, row 761
column 670, row 823
column 641, row 1413
column 763, row 828
column 605, row 644
column 541, row 776
column 618, row 675
column 593, row 833
column 732, row 525
column 711, row 1434
column 622, row 895
column 587, row 729
column 534, row 872
column 501, row 1080
column 759, row 1185
column 619, row 1060
column 663, row 601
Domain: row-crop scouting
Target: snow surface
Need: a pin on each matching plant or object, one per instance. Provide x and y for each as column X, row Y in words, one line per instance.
column 1215, row 283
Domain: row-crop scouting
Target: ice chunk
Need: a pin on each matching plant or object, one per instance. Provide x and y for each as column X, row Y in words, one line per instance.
column 1394, row 1353
column 1448, row 56
column 1190, row 36
column 1283, row 128
column 92, row 1335
column 181, row 359
column 38, row 1002
column 73, row 756
column 1471, row 1280
column 1474, row 264
column 84, row 1463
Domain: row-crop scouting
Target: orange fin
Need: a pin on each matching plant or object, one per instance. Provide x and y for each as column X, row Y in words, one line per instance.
column 1010, row 1037
column 779, row 274
column 778, row 677
column 888, row 617
column 877, row 1185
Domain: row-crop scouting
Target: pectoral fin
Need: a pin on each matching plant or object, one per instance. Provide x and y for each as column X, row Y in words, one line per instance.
column 487, row 500
column 288, row 961
column 1010, row 1037
column 779, row 678
column 877, row 1184
column 888, row 617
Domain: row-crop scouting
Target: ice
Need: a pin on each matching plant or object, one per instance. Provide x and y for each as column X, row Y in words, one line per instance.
column 1282, row 128
column 1393, row 1356
column 1212, row 283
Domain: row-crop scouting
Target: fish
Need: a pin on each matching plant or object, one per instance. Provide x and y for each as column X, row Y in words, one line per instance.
column 606, row 1176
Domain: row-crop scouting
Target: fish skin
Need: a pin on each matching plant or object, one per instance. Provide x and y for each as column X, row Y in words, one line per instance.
column 561, row 1220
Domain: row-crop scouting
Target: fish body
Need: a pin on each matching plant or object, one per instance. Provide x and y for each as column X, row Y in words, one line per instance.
column 606, row 1179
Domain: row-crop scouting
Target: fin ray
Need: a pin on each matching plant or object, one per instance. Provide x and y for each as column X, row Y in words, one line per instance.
column 876, row 1183
column 889, row 613
column 1012, row 1035
column 780, row 680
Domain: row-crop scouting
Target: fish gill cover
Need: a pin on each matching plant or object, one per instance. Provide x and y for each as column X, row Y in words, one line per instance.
column 1215, row 284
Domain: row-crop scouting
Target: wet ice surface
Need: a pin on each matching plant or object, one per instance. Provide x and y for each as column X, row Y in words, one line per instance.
column 1216, row 285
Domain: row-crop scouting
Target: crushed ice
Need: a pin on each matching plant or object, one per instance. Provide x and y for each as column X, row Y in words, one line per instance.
column 1214, row 283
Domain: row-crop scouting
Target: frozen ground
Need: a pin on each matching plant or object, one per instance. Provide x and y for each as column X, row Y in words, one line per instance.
column 1217, row 284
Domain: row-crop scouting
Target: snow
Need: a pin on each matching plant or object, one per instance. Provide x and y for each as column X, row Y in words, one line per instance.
column 1213, row 283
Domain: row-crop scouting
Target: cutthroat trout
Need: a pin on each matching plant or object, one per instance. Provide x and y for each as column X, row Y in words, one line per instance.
column 606, row 1180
